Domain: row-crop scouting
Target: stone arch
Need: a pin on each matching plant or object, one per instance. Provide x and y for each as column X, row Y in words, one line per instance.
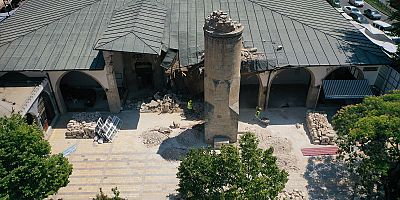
column 12, row 77
column 340, row 73
column 345, row 73
column 84, row 84
column 290, row 87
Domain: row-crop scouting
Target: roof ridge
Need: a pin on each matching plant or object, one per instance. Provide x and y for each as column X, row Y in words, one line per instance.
column 305, row 24
column 46, row 24
column 132, row 27
column 100, row 44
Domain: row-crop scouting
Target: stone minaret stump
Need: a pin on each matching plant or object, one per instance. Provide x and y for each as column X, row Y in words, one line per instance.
column 222, row 59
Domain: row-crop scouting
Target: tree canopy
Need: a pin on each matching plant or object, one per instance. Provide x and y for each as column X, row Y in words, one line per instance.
column 27, row 170
column 245, row 173
column 369, row 140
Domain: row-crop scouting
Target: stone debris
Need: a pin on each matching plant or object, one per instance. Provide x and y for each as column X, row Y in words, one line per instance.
column 169, row 103
column 155, row 137
column 288, row 162
column 82, row 126
column 295, row 194
column 282, row 150
column 320, row 130
column 174, row 125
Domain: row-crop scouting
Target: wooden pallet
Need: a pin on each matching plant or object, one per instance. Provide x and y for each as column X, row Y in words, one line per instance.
column 319, row 151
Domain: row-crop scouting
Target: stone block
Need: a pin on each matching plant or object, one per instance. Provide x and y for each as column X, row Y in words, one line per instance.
column 219, row 141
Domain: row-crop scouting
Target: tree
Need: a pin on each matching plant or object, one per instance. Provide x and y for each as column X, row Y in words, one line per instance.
column 248, row 173
column 369, row 140
column 27, row 170
column 102, row 196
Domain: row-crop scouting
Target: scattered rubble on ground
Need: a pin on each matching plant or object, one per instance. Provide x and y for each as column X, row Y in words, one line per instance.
column 320, row 130
column 282, row 150
column 168, row 103
column 295, row 194
column 82, row 126
column 155, row 137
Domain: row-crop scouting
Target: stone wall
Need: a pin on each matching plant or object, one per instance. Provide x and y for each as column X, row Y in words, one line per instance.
column 222, row 59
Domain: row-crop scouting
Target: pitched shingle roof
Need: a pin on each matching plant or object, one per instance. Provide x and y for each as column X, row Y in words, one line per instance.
column 55, row 35
column 137, row 27
column 62, row 35
column 311, row 32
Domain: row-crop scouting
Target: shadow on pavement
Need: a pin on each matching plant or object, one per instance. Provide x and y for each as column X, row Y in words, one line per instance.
column 175, row 148
column 328, row 178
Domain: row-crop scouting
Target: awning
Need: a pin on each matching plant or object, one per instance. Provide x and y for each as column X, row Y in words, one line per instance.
column 346, row 89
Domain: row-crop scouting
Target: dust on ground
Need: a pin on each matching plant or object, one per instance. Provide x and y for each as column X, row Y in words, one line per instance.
column 142, row 160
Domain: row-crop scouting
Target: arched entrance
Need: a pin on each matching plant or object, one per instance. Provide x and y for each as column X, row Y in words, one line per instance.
column 248, row 96
column 340, row 73
column 289, row 88
column 82, row 92
column 345, row 73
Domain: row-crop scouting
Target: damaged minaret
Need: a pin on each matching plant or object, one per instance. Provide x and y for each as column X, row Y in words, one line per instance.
column 222, row 59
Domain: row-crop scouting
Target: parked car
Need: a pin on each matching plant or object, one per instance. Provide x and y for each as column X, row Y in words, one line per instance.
column 372, row 14
column 351, row 9
column 334, row 3
column 358, row 3
column 359, row 18
column 383, row 26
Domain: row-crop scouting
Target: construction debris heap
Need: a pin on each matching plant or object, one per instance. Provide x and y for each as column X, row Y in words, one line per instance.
column 320, row 129
column 82, row 126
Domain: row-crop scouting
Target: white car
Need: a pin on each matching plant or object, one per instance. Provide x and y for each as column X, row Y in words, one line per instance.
column 358, row 3
column 351, row 9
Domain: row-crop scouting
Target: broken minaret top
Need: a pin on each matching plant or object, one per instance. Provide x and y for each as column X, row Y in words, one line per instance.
column 218, row 23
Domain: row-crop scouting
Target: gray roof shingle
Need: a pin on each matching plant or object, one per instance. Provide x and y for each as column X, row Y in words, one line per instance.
column 137, row 27
column 69, row 35
column 55, row 35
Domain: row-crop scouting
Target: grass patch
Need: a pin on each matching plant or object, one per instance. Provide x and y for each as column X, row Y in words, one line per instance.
column 383, row 8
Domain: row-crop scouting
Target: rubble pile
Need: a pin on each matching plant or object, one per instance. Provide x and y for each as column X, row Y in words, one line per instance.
column 321, row 131
column 248, row 54
column 169, row 103
column 295, row 194
column 155, row 137
column 82, row 126
column 282, row 150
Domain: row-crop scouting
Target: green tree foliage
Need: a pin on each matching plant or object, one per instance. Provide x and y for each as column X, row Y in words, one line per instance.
column 369, row 140
column 396, row 17
column 248, row 173
column 27, row 170
column 102, row 196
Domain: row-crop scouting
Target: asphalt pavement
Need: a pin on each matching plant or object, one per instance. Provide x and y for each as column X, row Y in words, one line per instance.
column 366, row 6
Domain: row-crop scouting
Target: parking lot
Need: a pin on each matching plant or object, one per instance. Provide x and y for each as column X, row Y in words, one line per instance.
column 366, row 6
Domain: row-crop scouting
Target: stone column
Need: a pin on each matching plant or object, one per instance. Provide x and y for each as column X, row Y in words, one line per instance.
column 222, row 60
column 113, row 99
column 262, row 90
column 312, row 96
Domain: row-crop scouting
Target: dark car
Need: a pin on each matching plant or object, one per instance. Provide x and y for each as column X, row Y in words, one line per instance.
column 359, row 18
column 372, row 14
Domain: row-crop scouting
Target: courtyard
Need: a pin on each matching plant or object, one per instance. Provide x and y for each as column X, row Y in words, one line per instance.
column 143, row 171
